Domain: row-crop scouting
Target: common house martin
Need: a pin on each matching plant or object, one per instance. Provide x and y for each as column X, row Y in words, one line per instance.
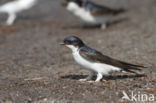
column 95, row 61
column 91, row 12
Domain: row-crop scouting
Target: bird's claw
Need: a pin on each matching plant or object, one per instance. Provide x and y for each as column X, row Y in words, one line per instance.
column 92, row 81
column 82, row 80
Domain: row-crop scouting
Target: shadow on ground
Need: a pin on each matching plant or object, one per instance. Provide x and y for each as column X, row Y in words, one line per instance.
column 77, row 77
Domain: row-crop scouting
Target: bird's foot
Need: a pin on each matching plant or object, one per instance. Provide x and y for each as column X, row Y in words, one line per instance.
column 93, row 81
column 104, row 80
column 82, row 80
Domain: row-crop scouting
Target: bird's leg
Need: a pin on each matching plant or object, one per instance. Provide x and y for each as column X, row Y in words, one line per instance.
column 99, row 77
column 88, row 77
column 11, row 18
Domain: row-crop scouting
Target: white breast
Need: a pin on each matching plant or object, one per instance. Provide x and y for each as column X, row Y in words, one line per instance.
column 81, row 61
column 96, row 67
column 80, row 12
column 86, row 15
column 93, row 66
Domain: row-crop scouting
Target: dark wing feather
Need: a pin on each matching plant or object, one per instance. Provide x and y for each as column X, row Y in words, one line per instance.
column 95, row 56
column 98, row 10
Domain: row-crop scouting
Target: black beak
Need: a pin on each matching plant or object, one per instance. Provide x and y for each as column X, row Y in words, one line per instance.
column 62, row 44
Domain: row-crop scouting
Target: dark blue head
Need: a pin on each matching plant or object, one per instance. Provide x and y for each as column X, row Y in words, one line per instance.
column 73, row 40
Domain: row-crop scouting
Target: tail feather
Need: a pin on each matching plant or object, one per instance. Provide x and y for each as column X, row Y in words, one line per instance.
column 130, row 67
column 133, row 65
column 134, row 68
column 121, row 10
column 127, row 70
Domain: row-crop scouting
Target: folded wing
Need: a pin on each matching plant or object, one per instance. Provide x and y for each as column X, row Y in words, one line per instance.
column 95, row 56
column 98, row 10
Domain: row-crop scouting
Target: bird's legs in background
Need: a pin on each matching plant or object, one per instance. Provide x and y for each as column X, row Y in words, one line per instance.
column 11, row 18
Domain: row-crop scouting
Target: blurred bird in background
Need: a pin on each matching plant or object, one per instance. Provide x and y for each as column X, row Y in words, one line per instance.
column 91, row 12
column 14, row 7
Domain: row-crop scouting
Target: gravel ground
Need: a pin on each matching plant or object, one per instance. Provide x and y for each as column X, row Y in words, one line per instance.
column 34, row 68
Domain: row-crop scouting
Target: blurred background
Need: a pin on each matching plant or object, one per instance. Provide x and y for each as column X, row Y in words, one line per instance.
column 34, row 68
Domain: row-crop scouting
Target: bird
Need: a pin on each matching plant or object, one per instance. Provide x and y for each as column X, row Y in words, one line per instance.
column 94, row 61
column 91, row 12
column 14, row 7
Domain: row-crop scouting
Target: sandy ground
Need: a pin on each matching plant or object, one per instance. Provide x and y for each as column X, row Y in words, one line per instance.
column 34, row 68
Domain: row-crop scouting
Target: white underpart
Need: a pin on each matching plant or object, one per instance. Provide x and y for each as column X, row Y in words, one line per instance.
column 14, row 7
column 100, row 68
column 86, row 15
